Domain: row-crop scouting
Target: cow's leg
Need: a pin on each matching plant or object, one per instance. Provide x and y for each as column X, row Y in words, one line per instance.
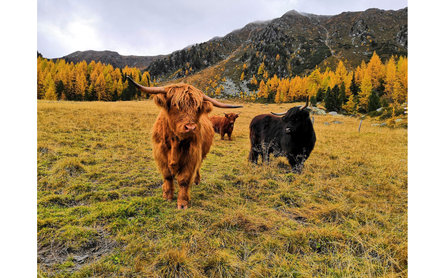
column 265, row 154
column 197, row 177
column 185, row 178
column 269, row 150
column 168, row 188
column 184, row 191
column 253, row 155
column 230, row 135
column 161, row 154
column 296, row 162
column 222, row 134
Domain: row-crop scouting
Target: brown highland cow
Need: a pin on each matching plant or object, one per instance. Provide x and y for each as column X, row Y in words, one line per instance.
column 224, row 125
column 182, row 135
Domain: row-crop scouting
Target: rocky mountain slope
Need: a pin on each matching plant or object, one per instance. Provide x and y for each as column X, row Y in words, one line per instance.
column 293, row 44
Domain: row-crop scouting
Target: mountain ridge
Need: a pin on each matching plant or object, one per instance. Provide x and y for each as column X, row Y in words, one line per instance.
column 292, row 44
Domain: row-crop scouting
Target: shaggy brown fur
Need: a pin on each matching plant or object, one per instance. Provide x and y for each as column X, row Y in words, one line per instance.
column 223, row 125
column 182, row 136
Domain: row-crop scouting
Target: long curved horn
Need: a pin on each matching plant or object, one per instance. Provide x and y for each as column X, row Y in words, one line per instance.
column 278, row 114
column 307, row 103
column 220, row 104
column 148, row 90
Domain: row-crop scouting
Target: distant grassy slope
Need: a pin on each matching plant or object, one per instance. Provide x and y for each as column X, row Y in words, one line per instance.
column 101, row 214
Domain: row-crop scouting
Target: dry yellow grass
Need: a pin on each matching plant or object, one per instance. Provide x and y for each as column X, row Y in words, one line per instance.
column 100, row 210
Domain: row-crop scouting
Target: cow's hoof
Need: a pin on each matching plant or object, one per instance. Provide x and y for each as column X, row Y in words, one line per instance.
column 167, row 197
column 297, row 171
column 197, row 180
column 182, row 206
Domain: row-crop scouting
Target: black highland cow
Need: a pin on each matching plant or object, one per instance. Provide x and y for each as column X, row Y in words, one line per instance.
column 292, row 136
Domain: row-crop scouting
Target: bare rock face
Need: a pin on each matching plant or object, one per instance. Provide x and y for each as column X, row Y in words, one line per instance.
column 402, row 36
column 360, row 33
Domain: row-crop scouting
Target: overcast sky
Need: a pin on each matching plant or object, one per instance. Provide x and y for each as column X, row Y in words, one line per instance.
column 149, row 27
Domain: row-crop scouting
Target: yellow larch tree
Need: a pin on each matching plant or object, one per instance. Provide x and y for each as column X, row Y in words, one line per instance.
column 254, row 81
column 145, row 80
column 263, row 90
column 314, row 82
column 375, row 70
column 50, row 93
column 80, row 85
column 101, row 88
column 365, row 91
column 282, row 91
column 261, row 69
column 360, row 72
column 390, row 78
column 272, row 84
column 401, row 90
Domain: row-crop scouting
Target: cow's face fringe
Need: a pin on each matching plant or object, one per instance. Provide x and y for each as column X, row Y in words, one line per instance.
column 185, row 97
column 183, row 105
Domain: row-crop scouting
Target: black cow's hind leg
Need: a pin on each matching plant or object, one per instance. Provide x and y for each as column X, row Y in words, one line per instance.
column 265, row 152
column 296, row 163
column 253, row 155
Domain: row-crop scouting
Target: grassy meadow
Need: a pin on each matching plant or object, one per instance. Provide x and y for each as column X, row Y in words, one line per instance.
column 101, row 212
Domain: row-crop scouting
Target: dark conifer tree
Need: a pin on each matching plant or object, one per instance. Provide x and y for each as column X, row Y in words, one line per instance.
column 373, row 101
column 335, row 97
column 320, row 95
column 313, row 101
column 328, row 100
column 342, row 94
column 354, row 86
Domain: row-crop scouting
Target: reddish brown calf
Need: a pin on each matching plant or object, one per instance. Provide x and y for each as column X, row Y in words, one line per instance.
column 224, row 125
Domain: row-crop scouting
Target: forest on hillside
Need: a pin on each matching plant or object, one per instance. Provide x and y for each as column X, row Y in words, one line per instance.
column 87, row 82
column 363, row 89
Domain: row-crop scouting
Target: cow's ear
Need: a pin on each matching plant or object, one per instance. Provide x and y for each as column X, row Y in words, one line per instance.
column 206, row 107
column 226, row 115
column 161, row 101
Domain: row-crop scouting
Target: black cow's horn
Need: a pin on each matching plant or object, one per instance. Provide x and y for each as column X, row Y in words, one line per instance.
column 220, row 104
column 148, row 90
column 307, row 103
column 279, row 114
